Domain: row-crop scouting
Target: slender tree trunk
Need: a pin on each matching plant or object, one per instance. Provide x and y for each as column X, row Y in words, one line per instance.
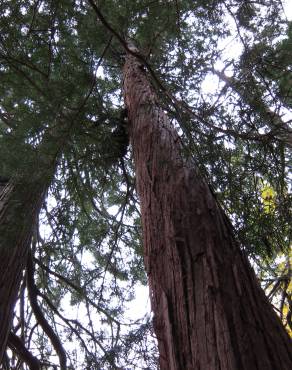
column 209, row 310
column 19, row 207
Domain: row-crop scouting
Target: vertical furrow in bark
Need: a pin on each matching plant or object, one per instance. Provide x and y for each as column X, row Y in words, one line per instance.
column 19, row 208
column 209, row 311
column 20, row 204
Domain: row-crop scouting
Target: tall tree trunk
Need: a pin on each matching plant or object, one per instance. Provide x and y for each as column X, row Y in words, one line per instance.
column 209, row 310
column 20, row 203
column 19, row 207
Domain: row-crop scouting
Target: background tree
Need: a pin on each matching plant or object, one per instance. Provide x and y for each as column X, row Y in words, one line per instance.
column 58, row 60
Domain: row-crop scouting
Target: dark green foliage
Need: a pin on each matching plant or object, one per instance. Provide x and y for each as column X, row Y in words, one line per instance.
column 61, row 77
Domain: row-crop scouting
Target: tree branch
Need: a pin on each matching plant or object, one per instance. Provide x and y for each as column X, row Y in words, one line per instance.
column 78, row 289
column 280, row 128
column 176, row 103
column 16, row 345
column 32, row 295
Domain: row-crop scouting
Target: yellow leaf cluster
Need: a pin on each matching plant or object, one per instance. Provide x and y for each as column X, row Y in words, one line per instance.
column 268, row 199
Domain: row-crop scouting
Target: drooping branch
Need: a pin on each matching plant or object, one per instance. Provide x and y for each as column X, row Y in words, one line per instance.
column 280, row 129
column 70, row 323
column 16, row 345
column 32, row 295
column 78, row 289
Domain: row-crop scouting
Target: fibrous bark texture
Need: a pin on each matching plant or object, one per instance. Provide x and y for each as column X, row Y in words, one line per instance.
column 209, row 310
column 20, row 203
column 19, row 207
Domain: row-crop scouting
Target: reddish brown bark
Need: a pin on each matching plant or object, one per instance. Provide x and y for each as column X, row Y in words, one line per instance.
column 209, row 310
column 19, row 207
column 20, row 203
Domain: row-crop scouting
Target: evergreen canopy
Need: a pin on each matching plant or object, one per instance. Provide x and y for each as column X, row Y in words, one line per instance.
column 222, row 70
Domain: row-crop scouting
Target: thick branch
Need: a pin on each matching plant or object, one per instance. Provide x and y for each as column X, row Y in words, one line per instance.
column 32, row 295
column 16, row 345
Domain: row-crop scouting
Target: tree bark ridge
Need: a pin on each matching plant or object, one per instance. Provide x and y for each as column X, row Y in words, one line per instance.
column 19, row 208
column 209, row 310
column 20, row 203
